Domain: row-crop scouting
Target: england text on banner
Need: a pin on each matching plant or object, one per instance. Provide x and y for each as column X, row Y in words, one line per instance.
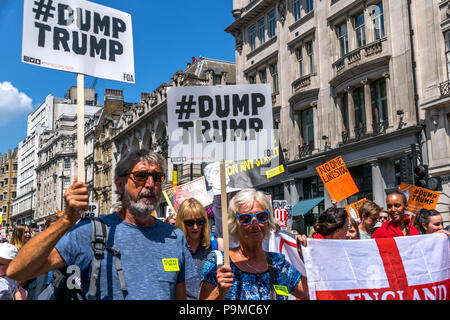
column 401, row 268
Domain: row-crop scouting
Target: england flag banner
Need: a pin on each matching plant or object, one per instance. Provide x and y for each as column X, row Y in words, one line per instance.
column 285, row 243
column 401, row 268
column 78, row 36
column 217, row 123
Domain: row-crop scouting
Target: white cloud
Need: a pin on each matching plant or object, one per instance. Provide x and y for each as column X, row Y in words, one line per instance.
column 13, row 104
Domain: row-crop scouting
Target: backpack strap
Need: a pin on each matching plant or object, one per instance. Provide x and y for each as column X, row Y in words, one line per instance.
column 273, row 295
column 99, row 244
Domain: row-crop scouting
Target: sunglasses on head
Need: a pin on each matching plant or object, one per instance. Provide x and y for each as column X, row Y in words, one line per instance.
column 191, row 222
column 142, row 176
column 246, row 218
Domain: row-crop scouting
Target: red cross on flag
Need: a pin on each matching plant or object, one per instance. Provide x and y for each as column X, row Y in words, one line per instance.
column 401, row 268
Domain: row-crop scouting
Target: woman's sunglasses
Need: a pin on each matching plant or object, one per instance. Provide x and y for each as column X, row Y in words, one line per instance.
column 190, row 223
column 246, row 218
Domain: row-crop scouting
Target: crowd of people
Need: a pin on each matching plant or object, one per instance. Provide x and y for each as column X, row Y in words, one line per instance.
column 144, row 258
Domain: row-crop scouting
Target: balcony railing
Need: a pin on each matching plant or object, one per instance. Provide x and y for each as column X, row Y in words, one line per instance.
column 380, row 127
column 444, row 87
column 305, row 150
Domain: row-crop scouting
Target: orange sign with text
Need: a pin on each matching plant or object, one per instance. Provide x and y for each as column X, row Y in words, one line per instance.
column 353, row 209
column 418, row 198
column 337, row 179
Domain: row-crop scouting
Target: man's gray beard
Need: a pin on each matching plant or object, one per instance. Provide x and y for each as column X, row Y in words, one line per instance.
column 139, row 210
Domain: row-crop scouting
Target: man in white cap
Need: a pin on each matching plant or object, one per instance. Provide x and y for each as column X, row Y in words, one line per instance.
column 8, row 287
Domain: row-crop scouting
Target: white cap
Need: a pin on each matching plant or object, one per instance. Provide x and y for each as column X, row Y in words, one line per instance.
column 8, row 251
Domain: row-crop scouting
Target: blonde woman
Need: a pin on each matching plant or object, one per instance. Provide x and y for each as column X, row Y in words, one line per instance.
column 20, row 236
column 193, row 221
column 252, row 273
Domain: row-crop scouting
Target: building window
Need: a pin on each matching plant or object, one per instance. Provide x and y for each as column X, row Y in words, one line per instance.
column 360, row 31
column 447, row 52
column 274, row 72
column 379, row 105
column 252, row 79
column 377, row 20
column 262, row 31
column 360, row 111
column 252, row 38
column 299, row 54
column 345, row 117
column 263, row 76
column 307, row 126
column 309, row 5
column 343, row 39
column 66, row 163
column 272, row 24
column 310, row 52
column 217, row 80
column 276, row 192
column 297, row 12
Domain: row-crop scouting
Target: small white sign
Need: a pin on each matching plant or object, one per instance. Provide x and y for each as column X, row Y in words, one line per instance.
column 281, row 212
column 215, row 123
column 91, row 212
column 78, row 36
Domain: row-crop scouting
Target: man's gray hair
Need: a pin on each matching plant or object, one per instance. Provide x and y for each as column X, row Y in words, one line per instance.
column 130, row 158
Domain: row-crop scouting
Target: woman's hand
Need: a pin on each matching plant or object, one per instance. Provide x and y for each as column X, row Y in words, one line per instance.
column 301, row 241
column 224, row 280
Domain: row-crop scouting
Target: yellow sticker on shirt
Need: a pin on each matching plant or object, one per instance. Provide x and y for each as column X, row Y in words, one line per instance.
column 171, row 264
column 281, row 290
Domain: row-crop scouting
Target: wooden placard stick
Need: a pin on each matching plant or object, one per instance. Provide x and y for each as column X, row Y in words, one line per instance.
column 224, row 204
column 80, row 127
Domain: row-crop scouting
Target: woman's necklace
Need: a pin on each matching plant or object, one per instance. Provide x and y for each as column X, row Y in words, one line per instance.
column 248, row 265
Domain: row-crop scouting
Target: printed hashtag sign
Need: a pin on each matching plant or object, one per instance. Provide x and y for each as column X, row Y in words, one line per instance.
column 208, row 124
column 78, row 36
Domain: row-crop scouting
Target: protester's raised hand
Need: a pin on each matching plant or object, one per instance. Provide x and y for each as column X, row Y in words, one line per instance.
column 301, row 241
column 77, row 200
column 224, row 279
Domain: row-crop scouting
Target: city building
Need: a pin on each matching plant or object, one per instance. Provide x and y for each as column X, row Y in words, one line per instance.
column 350, row 78
column 145, row 123
column 56, row 153
column 8, row 184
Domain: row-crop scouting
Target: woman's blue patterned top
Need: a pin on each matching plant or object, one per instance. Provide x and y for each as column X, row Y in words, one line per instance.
column 252, row 286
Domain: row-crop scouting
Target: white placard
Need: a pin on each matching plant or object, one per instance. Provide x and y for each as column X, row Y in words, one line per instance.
column 92, row 211
column 281, row 213
column 78, row 36
column 215, row 123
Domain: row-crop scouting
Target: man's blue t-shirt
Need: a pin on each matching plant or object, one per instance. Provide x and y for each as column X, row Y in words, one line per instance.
column 142, row 250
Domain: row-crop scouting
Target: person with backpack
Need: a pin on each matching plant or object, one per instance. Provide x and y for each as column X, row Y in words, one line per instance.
column 193, row 221
column 128, row 254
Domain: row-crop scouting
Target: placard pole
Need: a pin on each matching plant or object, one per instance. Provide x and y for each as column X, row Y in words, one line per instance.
column 224, row 204
column 80, row 127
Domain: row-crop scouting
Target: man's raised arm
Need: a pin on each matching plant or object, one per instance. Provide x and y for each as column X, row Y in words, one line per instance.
column 39, row 254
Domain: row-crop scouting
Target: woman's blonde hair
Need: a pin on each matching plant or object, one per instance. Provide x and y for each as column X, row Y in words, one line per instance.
column 192, row 207
column 245, row 198
column 18, row 236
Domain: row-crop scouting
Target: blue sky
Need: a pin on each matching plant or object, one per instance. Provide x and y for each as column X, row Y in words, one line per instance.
column 166, row 34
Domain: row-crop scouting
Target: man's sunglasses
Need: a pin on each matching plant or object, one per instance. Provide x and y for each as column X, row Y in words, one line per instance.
column 142, row 176
column 190, row 223
column 246, row 218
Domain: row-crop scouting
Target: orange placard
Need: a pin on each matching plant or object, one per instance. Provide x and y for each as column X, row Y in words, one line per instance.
column 353, row 209
column 337, row 179
column 418, row 198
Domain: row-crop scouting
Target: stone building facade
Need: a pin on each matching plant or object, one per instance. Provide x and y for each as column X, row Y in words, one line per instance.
column 349, row 78
column 8, row 184
column 144, row 124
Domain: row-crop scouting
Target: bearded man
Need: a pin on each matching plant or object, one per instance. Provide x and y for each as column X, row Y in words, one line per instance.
column 154, row 255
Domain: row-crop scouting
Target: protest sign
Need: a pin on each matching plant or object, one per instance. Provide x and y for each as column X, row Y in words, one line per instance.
column 280, row 212
column 78, row 36
column 337, row 179
column 400, row 268
column 245, row 174
column 91, row 212
column 353, row 210
column 193, row 189
column 216, row 123
column 418, row 198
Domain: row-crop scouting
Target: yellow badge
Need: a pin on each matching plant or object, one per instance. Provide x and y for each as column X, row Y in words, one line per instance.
column 171, row 264
column 281, row 290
